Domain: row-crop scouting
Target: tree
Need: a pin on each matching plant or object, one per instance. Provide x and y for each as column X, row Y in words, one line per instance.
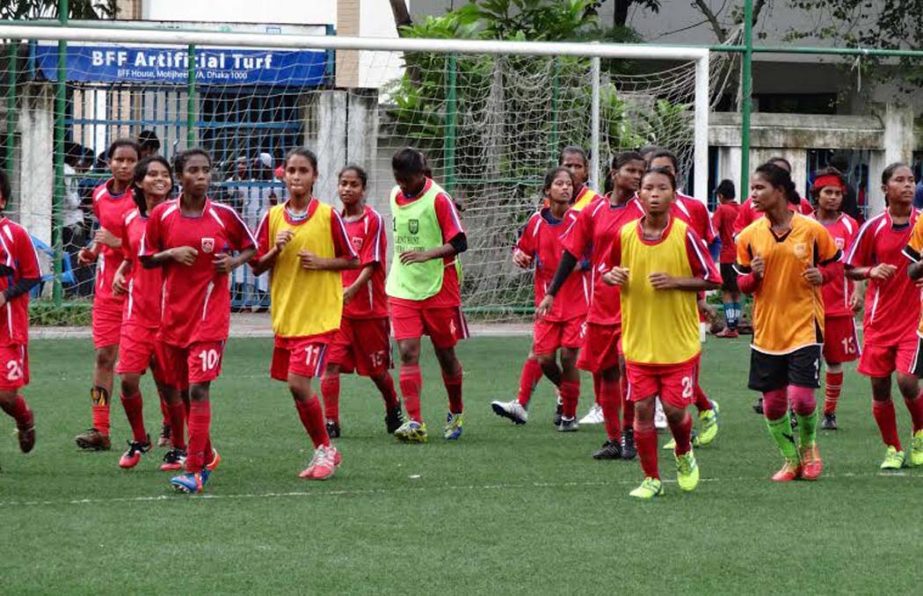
column 36, row 9
column 620, row 10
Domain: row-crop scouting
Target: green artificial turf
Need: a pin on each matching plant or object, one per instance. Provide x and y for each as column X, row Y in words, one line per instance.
column 506, row 509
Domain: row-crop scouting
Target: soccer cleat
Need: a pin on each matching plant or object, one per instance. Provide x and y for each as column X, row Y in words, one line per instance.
column 512, row 410
column 25, row 433
column 788, row 472
column 558, row 409
column 452, row 430
column 709, row 430
column 660, row 418
column 650, row 488
column 323, row 464
column 333, row 429
column 687, row 471
column 93, row 440
column 394, row 418
column 215, row 460
column 131, row 457
column 693, row 439
column 164, row 439
column 894, row 459
column 191, row 482
column 728, row 333
column 629, row 451
column 568, row 425
column 758, row 406
column 173, row 460
column 829, row 422
column 609, row 450
column 411, row 432
column 811, row 464
column 916, row 453
column 594, row 416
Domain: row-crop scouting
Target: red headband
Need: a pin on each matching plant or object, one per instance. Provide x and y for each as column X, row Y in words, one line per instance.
column 828, row 180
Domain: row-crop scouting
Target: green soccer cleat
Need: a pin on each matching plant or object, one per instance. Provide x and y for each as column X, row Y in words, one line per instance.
column 687, row 471
column 650, row 488
column 916, row 453
column 894, row 459
column 411, row 432
column 452, row 430
column 709, row 430
column 671, row 444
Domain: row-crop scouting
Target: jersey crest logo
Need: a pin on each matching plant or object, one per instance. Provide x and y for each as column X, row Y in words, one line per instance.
column 840, row 243
column 357, row 243
column 208, row 245
column 801, row 250
column 413, row 226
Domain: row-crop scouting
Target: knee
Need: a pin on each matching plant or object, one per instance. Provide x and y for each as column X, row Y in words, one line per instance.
column 198, row 392
column 105, row 358
column 130, row 385
column 410, row 354
column 834, row 367
column 909, row 386
column 545, row 360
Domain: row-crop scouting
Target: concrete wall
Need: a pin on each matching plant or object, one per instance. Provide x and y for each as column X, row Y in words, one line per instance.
column 35, row 173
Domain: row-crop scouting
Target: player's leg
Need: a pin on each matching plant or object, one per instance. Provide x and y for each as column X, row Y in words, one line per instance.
column 171, row 376
column 909, row 386
column 452, row 374
column 569, row 387
column 133, row 404
column 372, row 358
column 200, row 417
column 646, row 438
column 833, row 386
column 769, row 376
column 878, row 363
column 529, row 377
column 411, row 383
column 330, row 391
column 16, row 360
column 97, row 437
column 628, row 412
column 730, row 299
column 325, row 459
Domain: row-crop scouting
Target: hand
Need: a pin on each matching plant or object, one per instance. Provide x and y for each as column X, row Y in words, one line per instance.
column 185, row 255
column 617, row 276
column 662, row 281
column 119, row 285
column 414, row 256
column 855, row 302
column 544, row 307
column 349, row 293
column 882, row 271
column 86, row 256
column 283, row 238
column 758, row 266
column 311, row 261
column 521, row 259
column 104, row 236
column 224, row 263
column 813, row 276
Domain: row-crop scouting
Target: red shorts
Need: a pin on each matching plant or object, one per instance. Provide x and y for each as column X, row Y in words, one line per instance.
column 199, row 362
column 673, row 383
column 302, row 356
column 841, row 342
column 601, row 347
column 137, row 352
column 444, row 326
column 881, row 361
column 107, row 324
column 363, row 346
column 14, row 367
column 548, row 336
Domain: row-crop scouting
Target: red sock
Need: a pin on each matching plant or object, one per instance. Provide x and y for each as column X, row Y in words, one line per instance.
column 453, row 387
column 312, row 418
column 19, row 411
column 385, row 384
column 200, row 421
column 134, row 409
column 646, row 442
column 411, row 382
column 529, row 377
column 330, row 390
column 628, row 406
column 177, row 425
column 887, row 422
column 832, row 391
column 100, row 397
column 682, row 432
column 702, row 403
column 570, row 394
column 610, row 400
column 915, row 406
column 165, row 411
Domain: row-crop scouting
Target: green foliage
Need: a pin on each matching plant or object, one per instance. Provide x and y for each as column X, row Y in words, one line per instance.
column 37, row 9
column 44, row 313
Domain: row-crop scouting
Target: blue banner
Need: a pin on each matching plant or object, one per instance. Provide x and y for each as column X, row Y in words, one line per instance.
column 214, row 66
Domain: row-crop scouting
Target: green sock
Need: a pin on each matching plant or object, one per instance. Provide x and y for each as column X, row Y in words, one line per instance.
column 781, row 432
column 807, row 428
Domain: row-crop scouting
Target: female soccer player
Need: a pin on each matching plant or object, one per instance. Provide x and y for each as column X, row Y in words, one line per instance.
column 304, row 244
column 423, row 288
column 19, row 273
column 111, row 202
column 841, row 302
column 363, row 343
column 591, row 234
column 192, row 238
column 723, row 220
column 153, row 181
column 748, row 211
column 779, row 257
column 892, row 310
column 561, row 328
column 660, row 264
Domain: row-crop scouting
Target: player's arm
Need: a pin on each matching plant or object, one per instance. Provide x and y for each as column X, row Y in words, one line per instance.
column 524, row 250
column 749, row 268
column 120, row 279
column 576, row 241
column 565, row 268
column 30, row 272
column 913, row 252
column 453, row 234
column 152, row 253
column 344, row 256
column 704, row 276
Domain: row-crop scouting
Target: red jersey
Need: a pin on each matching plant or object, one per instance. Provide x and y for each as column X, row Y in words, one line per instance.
column 110, row 210
column 748, row 214
column 892, row 307
column 450, row 294
column 837, row 291
column 145, row 286
column 541, row 240
column 18, row 260
column 695, row 214
column 592, row 234
column 368, row 239
column 196, row 298
column 723, row 220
